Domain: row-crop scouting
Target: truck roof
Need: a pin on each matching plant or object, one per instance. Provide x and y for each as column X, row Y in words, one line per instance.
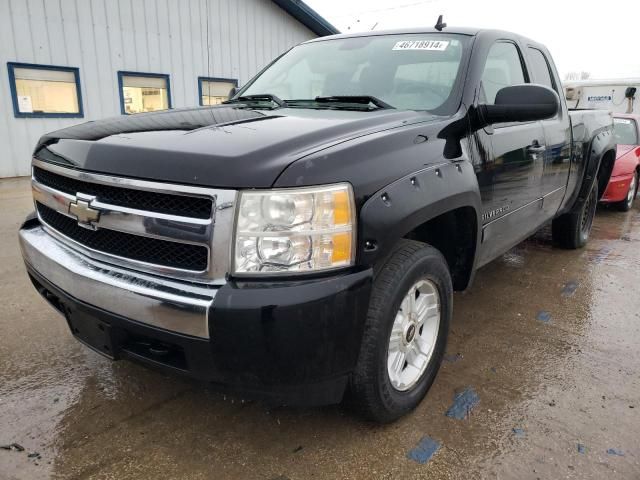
column 447, row 30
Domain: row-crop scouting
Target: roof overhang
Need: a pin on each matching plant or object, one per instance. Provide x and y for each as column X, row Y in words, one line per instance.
column 307, row 16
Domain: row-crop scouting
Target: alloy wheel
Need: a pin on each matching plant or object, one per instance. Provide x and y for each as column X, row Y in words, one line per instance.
column 413, row 335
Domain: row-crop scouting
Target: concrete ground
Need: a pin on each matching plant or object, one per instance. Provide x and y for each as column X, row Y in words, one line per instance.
column 544, row 386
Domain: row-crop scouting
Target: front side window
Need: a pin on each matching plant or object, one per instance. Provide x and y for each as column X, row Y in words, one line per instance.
column 45, row 91
column 625, row 131
column 406, row 71
column 503, row 69
column 143, row 92
column 214, row 91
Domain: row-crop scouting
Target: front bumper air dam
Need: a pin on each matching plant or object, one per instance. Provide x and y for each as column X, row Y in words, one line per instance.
column 292, row 343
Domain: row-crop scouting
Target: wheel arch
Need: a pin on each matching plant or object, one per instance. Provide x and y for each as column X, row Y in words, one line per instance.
column 439, row 205
column 605, row 168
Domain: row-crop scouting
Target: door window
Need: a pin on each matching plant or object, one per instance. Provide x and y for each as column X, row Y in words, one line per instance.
column 540, row 69
column 503, row 69
column 625, row 131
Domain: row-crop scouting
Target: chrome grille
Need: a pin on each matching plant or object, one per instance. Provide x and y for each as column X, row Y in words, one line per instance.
column 196, row 207
column 149, row 226
column 144, row 249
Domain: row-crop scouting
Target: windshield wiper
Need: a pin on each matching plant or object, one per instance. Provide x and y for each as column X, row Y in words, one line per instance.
column 258, row 98
column 354, row 99
column 333, row 101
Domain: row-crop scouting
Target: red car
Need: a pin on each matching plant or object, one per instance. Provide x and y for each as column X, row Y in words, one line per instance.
column 623, row 185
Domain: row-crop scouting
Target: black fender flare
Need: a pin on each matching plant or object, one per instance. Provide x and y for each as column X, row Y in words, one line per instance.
column 598, row 147
column 400, row 207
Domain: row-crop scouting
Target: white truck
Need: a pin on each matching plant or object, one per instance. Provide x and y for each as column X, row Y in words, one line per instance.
column 616, row 95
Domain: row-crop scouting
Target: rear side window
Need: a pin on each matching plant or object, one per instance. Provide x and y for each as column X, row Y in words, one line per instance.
column 503, row 69
column 540, row 69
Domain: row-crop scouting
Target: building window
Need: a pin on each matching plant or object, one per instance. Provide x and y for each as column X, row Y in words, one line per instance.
column 214, row 91
column 44, row 90
column 143, row 92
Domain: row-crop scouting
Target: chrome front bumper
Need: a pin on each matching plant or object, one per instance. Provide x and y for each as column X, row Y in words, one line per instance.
column 174, row 306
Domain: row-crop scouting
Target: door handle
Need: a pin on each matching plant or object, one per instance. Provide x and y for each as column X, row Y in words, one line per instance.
column 535, row 147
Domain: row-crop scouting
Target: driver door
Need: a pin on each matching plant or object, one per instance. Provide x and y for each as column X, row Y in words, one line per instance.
column 508, row 160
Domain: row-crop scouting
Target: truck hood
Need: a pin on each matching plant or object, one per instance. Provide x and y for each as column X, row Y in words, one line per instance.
column 222, row 146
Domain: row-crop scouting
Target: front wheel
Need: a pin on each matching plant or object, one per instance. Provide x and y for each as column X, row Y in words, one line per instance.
column 405, row 333
column 572, row 229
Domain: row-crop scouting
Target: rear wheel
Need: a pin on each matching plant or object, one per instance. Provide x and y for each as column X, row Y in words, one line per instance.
column 627, row 203
column 405, row 333
column 572, row 229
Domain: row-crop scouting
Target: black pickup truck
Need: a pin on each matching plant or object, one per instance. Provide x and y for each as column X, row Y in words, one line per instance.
column 302, row 241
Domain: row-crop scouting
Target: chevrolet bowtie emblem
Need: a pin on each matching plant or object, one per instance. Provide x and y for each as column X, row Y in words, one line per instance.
column 81, row 209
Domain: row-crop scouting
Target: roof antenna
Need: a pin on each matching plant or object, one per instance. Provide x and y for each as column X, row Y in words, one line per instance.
column 439, row 25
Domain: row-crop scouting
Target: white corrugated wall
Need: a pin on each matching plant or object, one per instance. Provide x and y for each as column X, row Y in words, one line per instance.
column 101, row 37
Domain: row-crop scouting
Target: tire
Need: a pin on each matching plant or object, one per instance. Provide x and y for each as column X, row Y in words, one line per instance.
column 572, row 229
column 627, row 203
column 373, row 391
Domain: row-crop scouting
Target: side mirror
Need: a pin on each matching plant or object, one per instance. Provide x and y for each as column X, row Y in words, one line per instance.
column 519, row 103
column 233, row 91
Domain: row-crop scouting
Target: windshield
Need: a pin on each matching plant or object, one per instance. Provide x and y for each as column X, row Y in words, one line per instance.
column 413, row 72
column 625, row 131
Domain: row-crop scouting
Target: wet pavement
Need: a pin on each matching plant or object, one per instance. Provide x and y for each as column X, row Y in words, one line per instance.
column 547, row 340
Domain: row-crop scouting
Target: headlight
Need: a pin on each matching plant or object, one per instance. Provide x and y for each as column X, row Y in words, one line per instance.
column 294, row 230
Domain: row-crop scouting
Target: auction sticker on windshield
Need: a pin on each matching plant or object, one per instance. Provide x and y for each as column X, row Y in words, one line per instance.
column 438, row 45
